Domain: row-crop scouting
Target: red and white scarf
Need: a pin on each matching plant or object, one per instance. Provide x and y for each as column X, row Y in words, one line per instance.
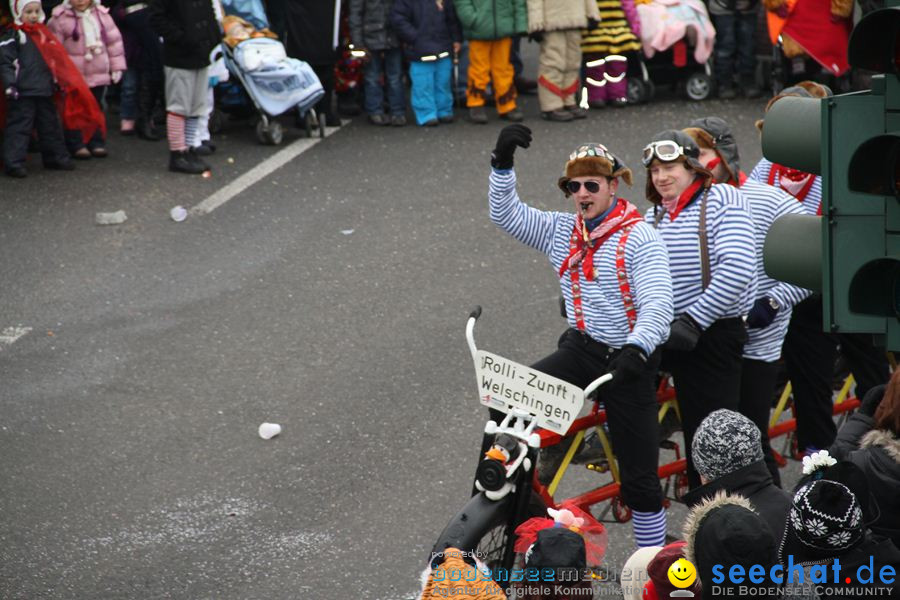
column 582, row 250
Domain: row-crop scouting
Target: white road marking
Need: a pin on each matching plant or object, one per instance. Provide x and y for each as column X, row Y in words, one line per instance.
column 9, row 335
column 259, row 172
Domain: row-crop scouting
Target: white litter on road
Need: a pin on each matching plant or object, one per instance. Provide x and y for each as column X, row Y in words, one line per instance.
column 178, row 214
column 257, row 173
column 9, row 335
column 269, row 430
column 347, row 231
column 113, row 218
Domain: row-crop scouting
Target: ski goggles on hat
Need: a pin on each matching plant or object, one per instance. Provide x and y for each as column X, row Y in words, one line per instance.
column 591, row 186
column 592, row 150
column 665, row 150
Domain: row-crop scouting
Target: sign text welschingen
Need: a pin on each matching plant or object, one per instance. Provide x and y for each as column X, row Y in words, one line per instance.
column 503, row 383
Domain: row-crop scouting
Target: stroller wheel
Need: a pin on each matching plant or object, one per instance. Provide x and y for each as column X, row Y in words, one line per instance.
column 322, row 125
column 216, row 121
column 698, row 86
column 271, row 135
column 637, row 91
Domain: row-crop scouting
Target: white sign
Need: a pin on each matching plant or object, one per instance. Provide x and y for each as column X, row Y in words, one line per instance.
column 503, row 383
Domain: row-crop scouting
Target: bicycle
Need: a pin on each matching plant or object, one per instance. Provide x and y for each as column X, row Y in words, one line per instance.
column 507, row 491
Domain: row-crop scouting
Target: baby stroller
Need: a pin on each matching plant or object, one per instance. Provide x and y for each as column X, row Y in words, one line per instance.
column 274, row 83
column 678, row 38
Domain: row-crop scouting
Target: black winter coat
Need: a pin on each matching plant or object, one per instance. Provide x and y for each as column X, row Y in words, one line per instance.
column 877, row 453
column 189, row 30
column 424, row 29
column 753, row 482
column 34, row 77
column 310, row 30
column 370, row 24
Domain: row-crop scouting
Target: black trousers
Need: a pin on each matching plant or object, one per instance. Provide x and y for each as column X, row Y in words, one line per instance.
column 325, row 73
column 631, row 411
column 758, row 381
column 707, row 378
column 809, row 354
column 23, row 116
column 74, row 140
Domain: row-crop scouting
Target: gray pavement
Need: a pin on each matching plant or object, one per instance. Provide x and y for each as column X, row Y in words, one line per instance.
column 131, row 466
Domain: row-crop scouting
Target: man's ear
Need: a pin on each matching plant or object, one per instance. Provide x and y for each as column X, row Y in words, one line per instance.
column 613, row 185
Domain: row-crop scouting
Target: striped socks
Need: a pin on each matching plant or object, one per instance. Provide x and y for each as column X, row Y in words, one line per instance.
column 191, row 132
column 175, row 132
column 649, row 528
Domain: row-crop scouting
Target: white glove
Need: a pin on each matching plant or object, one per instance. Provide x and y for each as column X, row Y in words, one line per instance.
column 116, row 76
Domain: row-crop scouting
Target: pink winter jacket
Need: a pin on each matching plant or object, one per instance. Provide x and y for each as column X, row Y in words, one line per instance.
column 68, row 28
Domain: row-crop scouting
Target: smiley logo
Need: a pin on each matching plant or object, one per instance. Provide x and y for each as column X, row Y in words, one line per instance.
column 682, row 573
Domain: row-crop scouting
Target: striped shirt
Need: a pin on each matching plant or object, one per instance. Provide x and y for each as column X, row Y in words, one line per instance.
column 813, row 198
column 646, row 267
column 767, row 204
column 732, row 256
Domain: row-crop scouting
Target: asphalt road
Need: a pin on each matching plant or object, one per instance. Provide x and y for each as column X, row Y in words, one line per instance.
column 329, row 297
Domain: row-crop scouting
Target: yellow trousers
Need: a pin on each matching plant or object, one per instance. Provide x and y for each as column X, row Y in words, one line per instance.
column 489, row 61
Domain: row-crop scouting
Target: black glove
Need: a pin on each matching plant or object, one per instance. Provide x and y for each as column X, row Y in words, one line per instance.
column 629, row 364
column 684, row 334
column 510, row 137
column 592, row 23
column 536, row 36
column 871, row 400
column 763, row 313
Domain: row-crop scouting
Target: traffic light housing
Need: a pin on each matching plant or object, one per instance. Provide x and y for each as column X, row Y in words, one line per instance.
column 858, row 156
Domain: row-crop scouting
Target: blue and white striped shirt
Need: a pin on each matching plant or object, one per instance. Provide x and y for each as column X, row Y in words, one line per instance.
column 646, row 266
column 768, row 203
column 813, row 199
column 732, row 256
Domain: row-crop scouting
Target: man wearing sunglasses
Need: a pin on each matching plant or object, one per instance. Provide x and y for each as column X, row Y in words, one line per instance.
column 768, row 319
column 614, row 276
column 708, row 231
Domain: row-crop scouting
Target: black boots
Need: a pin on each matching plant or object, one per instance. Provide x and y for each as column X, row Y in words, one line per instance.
column 187, row 162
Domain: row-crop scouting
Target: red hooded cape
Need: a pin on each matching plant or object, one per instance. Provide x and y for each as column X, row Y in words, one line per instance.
column 74, row 100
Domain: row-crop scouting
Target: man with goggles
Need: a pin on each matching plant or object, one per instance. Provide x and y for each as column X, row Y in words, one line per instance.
column 768, row 319
column 708, row 231
column 614, row 277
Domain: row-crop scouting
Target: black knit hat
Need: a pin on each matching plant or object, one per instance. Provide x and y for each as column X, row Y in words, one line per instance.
column 825, row 521
column 557, row 547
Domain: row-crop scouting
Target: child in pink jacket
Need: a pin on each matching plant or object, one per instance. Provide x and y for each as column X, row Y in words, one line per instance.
column 95, row 45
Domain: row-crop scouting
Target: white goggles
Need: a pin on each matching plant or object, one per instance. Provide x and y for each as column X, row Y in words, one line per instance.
column 665, row 150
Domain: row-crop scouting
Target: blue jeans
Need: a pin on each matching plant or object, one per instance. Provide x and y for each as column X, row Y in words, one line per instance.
column 735, row 47
column 432, row 96
column 389, row 62
column 128, row 106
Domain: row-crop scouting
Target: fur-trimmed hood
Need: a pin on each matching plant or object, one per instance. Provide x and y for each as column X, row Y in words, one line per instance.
column 883, row 439
column 725, row 530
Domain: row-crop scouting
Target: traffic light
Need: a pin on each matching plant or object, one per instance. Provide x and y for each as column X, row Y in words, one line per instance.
column 853, row 141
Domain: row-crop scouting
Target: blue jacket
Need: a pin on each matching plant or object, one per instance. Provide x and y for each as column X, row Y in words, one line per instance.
column 424, row 29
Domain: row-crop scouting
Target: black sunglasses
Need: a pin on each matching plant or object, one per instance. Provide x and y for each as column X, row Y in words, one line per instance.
column 591, row 186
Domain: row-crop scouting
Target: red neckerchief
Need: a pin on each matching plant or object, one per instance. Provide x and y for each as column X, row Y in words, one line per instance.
column 75, row 102
column 780, row 171
column 624, row 213
column 742, row 177
column 685, row 197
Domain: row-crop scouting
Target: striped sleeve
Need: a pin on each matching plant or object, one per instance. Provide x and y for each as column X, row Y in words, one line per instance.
column 786, row 294
column 528, row 225
column 732, row 258
column 647, row 263
column 760, row 172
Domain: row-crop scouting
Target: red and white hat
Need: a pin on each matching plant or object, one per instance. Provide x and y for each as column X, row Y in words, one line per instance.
column 17, row 6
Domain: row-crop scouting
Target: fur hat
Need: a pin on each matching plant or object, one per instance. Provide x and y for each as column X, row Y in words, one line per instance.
column 593, row 159
column 689, row 158
column 726, row 530
column 725, row 442
column 634, row 572
column 825, row 521
column 803, row 89
column 715, row 134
